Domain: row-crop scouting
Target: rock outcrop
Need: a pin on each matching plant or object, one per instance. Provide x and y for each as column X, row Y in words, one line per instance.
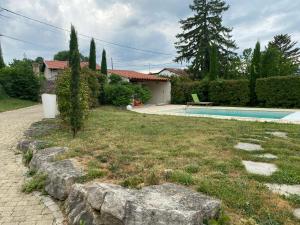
column 168, row 204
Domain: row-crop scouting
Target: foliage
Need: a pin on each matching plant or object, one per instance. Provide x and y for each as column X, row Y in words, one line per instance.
column 63, row 93
column 92, row 57
column 286, row 46
column 102, row 80
column 3, row 94
column 246, row 59
column 202, row 30
column 255, row 72
column 183, row 88
column 214, row 67
column 121, row 93
column 279, row 91
column 104, row 63
column 76, row 112
column 36, row 183
column 27, row 156
column 19, row 81
column 92, row 79
column 274, row 63
column 118, row 94
column 2, row 64
column 229, row 92
column 65, row 56
column 182, row 177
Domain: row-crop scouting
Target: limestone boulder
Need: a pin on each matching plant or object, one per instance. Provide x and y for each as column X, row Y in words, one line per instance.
column 167, row 204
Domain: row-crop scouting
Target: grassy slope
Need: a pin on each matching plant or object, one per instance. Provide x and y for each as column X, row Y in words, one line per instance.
column 7, row 104
column 133, row 149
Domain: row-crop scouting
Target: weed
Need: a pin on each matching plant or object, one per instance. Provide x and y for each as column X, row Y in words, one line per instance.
column 192, row 168
column 182, row 178
column 152, row 178
column 36, row 183
column 132, row 182
column 27, row 156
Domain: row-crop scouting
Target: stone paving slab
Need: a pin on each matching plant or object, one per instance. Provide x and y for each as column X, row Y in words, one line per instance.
column 267, row 156
column 16, row 207
column 249, row 147
column 278, row 134
column 284, row 189
column 297, row 213
column 259, row 168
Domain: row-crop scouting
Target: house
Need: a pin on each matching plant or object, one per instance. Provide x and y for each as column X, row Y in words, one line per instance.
column 160, row 87
column 52, row 68
column 169, row 72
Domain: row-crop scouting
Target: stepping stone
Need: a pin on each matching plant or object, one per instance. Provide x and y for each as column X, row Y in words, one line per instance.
column 259, row 168
column 248, row 147
column 267, row 156
column 278, row 134
column 284, row 189
column 297, row 213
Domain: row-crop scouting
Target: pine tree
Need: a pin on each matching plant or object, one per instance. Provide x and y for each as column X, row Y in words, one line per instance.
column 104, row 63
column 201, row 31
column 255, row 72
column 92, row 57
column 213, row 69
column 76, row 118
column 2, row 64
column 286, row 46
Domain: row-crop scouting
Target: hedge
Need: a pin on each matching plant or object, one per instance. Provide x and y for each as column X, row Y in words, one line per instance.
column 281, row 91
column 229, row 92
column 224, row 92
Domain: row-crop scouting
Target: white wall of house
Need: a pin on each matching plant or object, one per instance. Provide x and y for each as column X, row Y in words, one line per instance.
column 50, row 74
column 160, row 91
column 167, row 73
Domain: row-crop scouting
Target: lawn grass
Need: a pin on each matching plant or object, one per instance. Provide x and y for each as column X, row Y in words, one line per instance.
column 134, row 150
column 8, row 104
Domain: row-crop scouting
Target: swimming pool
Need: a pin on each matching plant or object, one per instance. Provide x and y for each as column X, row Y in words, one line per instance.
column 260, row 114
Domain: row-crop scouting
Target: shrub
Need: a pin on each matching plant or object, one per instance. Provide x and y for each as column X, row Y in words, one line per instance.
column 141, row 93
column 37, row 183
column 19, row 81
column 118, row 94
column 63, row 93
column 229, row 92
column 3, row 94
column 182, row 90
column 283, row 91
column 93, row 83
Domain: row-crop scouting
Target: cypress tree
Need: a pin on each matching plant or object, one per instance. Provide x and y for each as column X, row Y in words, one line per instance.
column 200, row 31
column 104, row 63
column 2, row 64
column 255, row 72
column 213, row 69
column 92, row 57
column 76, row 117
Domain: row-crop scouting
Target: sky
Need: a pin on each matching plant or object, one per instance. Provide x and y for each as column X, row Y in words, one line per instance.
column 148, row 25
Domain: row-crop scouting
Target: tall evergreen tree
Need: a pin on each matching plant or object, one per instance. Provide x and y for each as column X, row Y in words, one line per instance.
column 255, row 72
column 201, row 31
column 2, row 64
column 76, row 118
column 286, row 46
column 214, row 67
column 104, row 63
column 92, row 57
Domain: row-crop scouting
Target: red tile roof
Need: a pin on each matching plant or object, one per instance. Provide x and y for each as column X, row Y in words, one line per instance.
column 60, row 65
column 133, row 75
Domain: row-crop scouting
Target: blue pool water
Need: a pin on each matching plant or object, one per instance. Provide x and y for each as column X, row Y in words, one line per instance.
column 237, row 113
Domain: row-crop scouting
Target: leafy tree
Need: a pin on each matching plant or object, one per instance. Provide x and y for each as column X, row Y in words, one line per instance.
column 2, row 64
column 202, row 30
column 64, row 56
column 246, row 59
column 92, row 57
column 76, row 118
column 286, row 46
column 104, row 63
column 255, row 72
column 213, row 70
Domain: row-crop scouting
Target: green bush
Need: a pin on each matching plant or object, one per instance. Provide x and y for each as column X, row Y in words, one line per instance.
column 229, row 92
column 19, row 81
column 283, row 91
column 3, row 94
column 182, row 89
column 118, row 94
column 63, row 93
column 91, row 78
column 141, row 93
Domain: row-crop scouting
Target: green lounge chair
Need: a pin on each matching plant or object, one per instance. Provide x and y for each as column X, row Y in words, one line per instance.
column 196, row 101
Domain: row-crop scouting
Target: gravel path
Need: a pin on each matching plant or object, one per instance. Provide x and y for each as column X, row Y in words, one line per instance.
column 17, row 208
